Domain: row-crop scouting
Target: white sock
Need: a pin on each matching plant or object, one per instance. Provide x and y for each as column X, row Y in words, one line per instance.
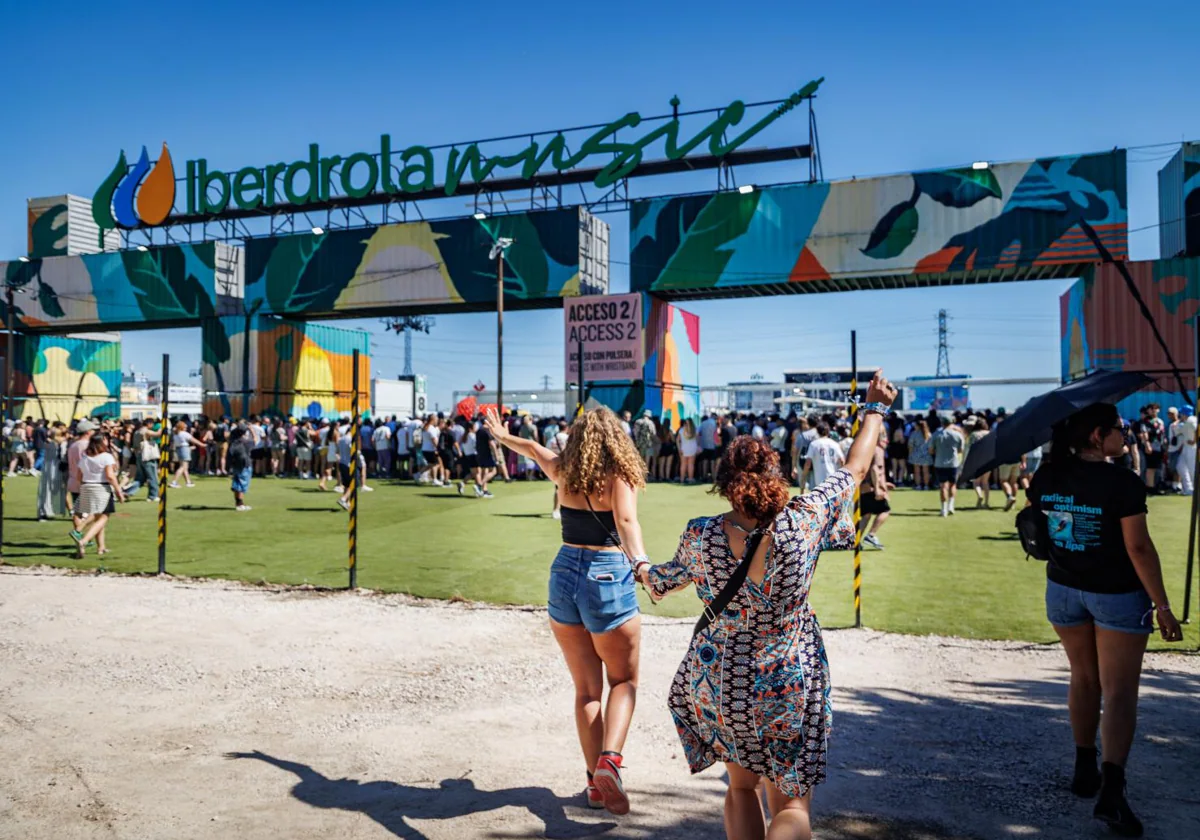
column 945, row 508
column 951, row 503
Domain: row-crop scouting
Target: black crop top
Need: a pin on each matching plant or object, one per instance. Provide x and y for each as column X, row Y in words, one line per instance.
column 579, row 527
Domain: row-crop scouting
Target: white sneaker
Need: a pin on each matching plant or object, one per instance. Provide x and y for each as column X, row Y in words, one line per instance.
column 556, row 514
column 35, row 472
column 173, row 485
column 462, row 489
column 189, row 484
column 872, row 540
column 243, row 508
column 478, row 492
column 339, row 489
column 343, row 504
column 367, row 489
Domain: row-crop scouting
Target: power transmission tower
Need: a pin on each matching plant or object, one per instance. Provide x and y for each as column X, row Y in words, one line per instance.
column 546, row 382
column 409, row 324
column 943, row 362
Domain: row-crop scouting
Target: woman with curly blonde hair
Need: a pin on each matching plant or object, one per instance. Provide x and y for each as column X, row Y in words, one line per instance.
column 593, row 607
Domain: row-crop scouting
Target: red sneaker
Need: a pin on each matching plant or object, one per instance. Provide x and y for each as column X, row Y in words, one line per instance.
column 608, row 782
column 594, row 799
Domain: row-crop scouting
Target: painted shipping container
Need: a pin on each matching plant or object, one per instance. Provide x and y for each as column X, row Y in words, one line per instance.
column 62, row 225
column 1007, row 221
column 425, row 265
column 672, row 339
column 62, row 377
column 295, row 368
column 165, row 286
column 1102, row 325
column 1179, row 204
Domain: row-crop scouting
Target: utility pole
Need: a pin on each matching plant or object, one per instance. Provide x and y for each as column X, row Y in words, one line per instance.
column 546, row 382
column 408, row 324
column 943, row 360
column 497, row 254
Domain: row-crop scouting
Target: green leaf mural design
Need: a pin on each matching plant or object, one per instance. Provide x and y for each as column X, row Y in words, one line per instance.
column 48, row 299
column 959, row 187
column 49, row 234
column 20, row 274
column 165, row 291
column 894, row 232
column 700, row 256
column 284, row 348
column 289, row 258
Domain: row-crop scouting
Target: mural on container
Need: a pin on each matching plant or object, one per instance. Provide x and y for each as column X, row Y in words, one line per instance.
column 1191, row 198
column 296, row 369
column 175, row 284
column 673, row 359
column 1102, row 327
column 413, row 264
column 59, row 377
column 1006, row 217
column 47, row 228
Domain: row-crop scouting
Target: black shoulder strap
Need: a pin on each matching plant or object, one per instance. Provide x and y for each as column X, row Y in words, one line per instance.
column 732, row 585
column 616, row 536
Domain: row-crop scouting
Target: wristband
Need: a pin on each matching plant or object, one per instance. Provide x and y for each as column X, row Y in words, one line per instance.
column 876, row 408
column 1163, row 608
column 641, row 560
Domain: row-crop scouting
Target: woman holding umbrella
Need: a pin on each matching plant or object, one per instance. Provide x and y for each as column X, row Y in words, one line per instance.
column 1104, row 583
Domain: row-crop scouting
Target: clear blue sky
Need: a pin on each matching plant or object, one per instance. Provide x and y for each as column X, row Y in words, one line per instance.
column 908, row 86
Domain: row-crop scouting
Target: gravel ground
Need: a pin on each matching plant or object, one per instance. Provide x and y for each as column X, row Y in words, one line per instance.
column 122, row 700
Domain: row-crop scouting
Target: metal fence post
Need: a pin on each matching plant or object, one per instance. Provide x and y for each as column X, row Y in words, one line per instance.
column 855, row 428
column 164, row 462
column 355, row 433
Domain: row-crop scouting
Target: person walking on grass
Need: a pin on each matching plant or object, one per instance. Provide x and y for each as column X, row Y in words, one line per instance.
column 1104, row 582
column 874, row 497
column 330, row 437
column 593, row 609
column 688, row 442
column 96, row 475
column 947, row 445
column 982, row 484
column 824, row 457
column 240, row 464
column 52, row 483
column 146, row 456
column 753, row 690
column 84, row 430
column 348, row 469
column 182, row 443
column 486, row 460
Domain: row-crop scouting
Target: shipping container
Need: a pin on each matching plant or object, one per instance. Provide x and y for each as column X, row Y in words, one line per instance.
column 281, row 367
column 62, row 225
column 999, row 222
column 1102, row 325
column 672, row 339
column 63, row 377
column 1179, row 204
column 593, row 254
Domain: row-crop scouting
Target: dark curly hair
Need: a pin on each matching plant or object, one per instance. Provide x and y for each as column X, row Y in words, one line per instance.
column 748, row 476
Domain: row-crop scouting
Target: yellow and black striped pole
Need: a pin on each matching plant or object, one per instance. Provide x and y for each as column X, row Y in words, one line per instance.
column 354, row 479
column 855, row 427
column 164, row 463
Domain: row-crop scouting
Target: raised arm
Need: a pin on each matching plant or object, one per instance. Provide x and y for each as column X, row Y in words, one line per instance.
column 546, row 459
column 880, row 392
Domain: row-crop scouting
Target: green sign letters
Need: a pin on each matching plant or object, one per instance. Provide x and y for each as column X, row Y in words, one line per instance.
column 316, row 178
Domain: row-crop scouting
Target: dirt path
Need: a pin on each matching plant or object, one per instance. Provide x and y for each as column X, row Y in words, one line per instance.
column 375, row 717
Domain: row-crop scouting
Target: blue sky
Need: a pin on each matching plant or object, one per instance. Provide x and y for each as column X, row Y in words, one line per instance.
column 908, row 86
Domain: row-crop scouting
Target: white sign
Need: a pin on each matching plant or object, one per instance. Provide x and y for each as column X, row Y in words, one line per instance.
column 610, row 329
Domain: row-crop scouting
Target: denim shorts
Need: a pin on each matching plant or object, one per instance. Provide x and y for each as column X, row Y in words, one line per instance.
column 592, row 588
column 1128, row 612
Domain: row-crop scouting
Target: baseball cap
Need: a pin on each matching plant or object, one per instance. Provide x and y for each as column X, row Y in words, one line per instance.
column 647, row 413
column 85, row 425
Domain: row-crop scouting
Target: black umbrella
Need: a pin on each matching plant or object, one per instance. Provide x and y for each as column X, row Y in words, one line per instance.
column 1033, row 423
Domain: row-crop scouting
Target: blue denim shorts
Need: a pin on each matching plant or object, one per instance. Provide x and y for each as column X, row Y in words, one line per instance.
column 1128, row 612
column 592, row 588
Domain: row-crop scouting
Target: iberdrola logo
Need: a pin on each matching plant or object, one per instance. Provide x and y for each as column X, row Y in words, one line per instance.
column 143, row 195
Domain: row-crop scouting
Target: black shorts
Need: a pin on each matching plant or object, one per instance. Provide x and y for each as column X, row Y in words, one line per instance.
column 946, row 475
column 448, row 459
column 872, row 506
column 1154, row 461
column 344, row 475
column 898, row 451
column 470, row 462
column 707, row 455
column 258, row 454
column 485, row 461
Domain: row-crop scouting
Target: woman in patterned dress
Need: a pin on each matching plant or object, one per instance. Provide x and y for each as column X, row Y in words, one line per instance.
column 753, row 689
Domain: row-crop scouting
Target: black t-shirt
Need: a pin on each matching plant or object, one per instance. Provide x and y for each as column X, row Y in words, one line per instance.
column 728, row 435
column 1084, row 503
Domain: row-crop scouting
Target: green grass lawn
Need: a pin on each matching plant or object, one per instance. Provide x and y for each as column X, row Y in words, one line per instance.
column 964, row 576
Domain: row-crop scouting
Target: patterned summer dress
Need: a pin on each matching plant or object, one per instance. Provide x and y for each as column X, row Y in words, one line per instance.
column 754, row 686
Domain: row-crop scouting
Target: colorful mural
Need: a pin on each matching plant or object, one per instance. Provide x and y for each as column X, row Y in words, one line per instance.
column 173, row 285
column 1102, row 326
column 672, row 360
column 1004, row 218
column 417, row 264
column 60, row 377
column 47, row 228
column 296, row 369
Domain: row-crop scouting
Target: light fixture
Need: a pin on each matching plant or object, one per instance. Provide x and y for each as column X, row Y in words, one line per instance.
column 981, row 164
column 533, row 396
column 142, row 248
column 746, row 189
column 318, row 230
column 22, row 259
column 479, row 217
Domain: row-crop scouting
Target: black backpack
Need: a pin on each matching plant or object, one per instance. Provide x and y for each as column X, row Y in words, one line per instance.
column 1034, row 532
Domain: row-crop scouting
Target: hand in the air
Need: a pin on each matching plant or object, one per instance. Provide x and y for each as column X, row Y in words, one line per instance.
column 497, row 429
column 881, row 390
